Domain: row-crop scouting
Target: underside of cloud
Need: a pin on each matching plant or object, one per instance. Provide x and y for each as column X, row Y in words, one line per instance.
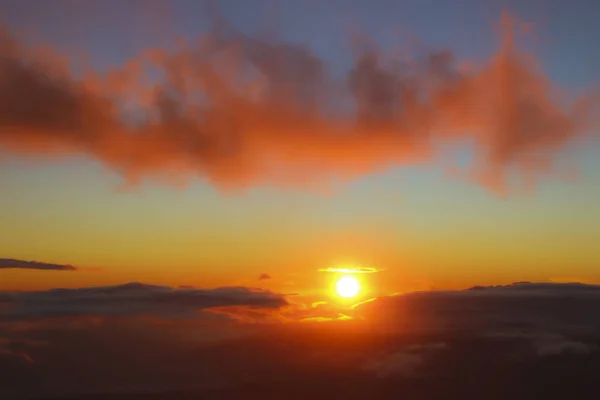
column 6, row 263
column 238, row 111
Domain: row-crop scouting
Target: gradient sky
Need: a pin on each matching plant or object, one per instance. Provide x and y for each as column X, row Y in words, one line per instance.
column 421, row 227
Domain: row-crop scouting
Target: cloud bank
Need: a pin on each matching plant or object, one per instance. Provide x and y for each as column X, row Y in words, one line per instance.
column 6, row 263
column 131, row 300
column 519, row 307
column 239, row 112
column 521, row 341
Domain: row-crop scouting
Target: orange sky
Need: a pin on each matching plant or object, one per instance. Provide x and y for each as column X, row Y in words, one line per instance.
column 461, row 170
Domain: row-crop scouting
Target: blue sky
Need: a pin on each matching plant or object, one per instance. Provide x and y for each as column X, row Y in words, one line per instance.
column 414, row 206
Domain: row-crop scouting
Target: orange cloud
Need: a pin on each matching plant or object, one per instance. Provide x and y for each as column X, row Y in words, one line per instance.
column 239, row 112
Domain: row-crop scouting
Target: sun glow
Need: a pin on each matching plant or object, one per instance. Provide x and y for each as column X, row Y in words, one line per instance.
column 347, row 286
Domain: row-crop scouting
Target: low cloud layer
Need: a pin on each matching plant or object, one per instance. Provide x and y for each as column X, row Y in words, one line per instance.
column 519, row 307
column 6, row 263
column 477, row 343
column 131, row 300
column 238, row 111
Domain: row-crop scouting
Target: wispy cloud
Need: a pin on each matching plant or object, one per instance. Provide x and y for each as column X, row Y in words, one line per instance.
column 264, row 277
column 6, row 263
column 350, row 270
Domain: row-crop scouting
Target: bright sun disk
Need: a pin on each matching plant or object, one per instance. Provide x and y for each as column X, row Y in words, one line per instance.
column 347, row 286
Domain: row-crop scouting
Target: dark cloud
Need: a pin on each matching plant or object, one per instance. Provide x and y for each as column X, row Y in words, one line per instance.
column 12, row 263
column 133, row 299
column 237, row 112
column 519, row 341
column 540, row 288
column 263, row 277
column 521, row 307
column 559, row 308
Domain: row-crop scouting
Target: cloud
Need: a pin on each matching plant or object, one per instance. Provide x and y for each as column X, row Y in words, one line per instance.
column 263, row 277
column 521, row 307
column 540, row 288
column 317, row 311
column 399, row 363
column 131, row 300
column 549, row 345
column 12, row 263
column 407, row 361
column 239, row 112
column 350, row 270
column 547, row 333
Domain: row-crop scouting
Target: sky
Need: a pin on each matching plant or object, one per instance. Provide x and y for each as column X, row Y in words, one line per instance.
column 324, row 199
column 406, row 212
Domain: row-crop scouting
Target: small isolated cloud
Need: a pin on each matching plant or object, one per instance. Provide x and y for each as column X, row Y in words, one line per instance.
column 350, row 270
column 401, row 363
column 405, row 362
column 6, row 263
column 264, row 277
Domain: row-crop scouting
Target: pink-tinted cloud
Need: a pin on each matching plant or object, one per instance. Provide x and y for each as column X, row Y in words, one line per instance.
column 239, row 112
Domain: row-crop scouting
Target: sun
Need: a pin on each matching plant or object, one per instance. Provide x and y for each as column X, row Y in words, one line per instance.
column 347, row 286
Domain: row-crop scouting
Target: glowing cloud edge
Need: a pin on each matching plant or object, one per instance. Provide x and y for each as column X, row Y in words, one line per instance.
column 358, row 270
